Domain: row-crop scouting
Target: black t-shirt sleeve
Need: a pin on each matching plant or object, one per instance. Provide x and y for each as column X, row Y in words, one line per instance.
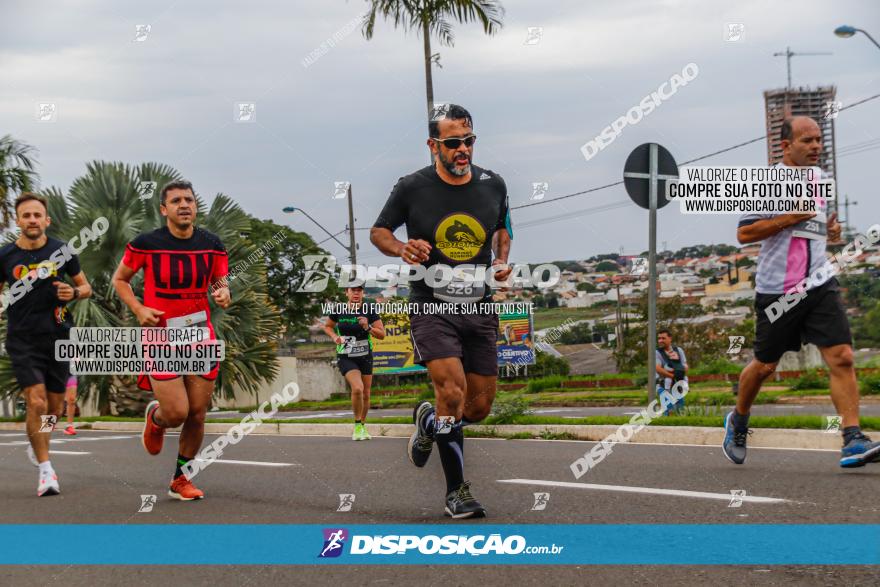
column 504, row 216
column 394, row 214
column 372, row 317
column 334, row 317
column 72, row 266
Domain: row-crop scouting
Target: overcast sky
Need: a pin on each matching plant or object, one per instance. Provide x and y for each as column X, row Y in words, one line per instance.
column 357, row 112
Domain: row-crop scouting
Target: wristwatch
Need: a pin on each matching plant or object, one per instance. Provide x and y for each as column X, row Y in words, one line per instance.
column 75, row 293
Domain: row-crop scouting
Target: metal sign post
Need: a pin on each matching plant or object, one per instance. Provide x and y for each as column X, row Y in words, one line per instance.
column 645, row 173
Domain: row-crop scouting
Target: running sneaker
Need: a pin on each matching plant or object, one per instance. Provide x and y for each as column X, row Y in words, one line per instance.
column 153, row 436
column 859, row 451
column 32, row 456
column 420, row 443
column 70, row 431
column 734, row 446
column 48, row 485
column 183, row 489
column 358, row 433
column 461, row 504
column 364, row 434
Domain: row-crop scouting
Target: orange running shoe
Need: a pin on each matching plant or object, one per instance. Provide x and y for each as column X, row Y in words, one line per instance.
column 183, row 489
column 153, row 436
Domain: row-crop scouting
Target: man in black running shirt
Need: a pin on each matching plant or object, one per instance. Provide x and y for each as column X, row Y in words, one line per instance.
column 34, row 266
column 456, row 216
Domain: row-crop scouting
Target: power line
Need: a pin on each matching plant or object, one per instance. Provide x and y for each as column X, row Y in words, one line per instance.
column 700, row 158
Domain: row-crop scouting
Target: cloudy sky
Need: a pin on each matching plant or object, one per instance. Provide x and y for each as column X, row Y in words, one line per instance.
column 356, row 113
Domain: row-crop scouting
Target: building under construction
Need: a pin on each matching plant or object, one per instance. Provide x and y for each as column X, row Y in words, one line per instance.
column 816, row 103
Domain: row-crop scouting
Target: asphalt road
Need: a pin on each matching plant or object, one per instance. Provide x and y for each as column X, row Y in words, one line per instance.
column 867, row 409
column 103, row 475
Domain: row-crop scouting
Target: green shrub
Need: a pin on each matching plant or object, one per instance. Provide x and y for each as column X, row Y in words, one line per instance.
column 542, row 383
column 507, row 410
column 426, row 395
column 810, row 380
column 870, row 385
column 720, row 366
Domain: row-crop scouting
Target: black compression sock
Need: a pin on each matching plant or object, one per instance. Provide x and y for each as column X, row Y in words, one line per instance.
column 181, row 461
column 450, row 445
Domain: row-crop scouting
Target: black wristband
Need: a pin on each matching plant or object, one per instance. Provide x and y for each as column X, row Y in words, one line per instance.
column 75, row 293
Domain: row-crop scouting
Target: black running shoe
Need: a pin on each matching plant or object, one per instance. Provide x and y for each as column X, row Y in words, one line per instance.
column 420, row 443
column 461, row 504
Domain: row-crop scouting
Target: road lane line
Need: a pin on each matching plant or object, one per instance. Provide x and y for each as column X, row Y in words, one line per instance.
column 647, row 490
column 254, row 463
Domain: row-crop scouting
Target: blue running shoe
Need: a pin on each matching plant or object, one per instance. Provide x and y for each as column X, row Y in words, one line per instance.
column 859, row 451
column 734, row 446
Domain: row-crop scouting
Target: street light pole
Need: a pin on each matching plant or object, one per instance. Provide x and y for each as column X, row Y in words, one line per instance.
column 292, row 209
column 846, row 31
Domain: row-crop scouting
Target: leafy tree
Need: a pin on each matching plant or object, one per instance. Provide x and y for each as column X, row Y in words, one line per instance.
column 17, row 173
column 428, row 17
column 607, row 266
column 587, row 287
column 282, row 260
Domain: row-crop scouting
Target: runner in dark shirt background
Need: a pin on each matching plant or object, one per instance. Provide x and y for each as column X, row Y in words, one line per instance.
column 353, row 333
column 36, row 319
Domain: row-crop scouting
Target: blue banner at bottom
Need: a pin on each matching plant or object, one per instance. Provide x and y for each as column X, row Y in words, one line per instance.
column 359, row 544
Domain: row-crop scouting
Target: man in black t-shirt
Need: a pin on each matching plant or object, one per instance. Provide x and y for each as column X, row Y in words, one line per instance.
column 353, row 332
column 456, row 216
column 37, row 315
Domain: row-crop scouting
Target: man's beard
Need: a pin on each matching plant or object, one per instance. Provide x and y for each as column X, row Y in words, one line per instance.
column 451, row 167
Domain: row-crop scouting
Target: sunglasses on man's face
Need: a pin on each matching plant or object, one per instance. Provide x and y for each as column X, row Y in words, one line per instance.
column 456, row 143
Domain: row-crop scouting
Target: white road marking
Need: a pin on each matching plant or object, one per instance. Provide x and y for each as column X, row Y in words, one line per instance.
column 648, row 490
column 68, row 452
column 13, row 434
column 63, row 441
column 255, row 463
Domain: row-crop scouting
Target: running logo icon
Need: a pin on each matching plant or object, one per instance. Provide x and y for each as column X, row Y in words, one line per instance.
column 245, row 112
column 539, row 190
column 832, row 424
column 318, row 269
column 639, row 266
column 340, row 189
column 734, row 32
column 736, row 498
column 334, row 542
column 736, row 344
column 541, row 500
column 141, row 32
column 47, row 112
column 146, row 189
column 534, row 34
column 346, row 501
column 832, row 109
column 47, row 422
column 147, row 503
column 439, row 112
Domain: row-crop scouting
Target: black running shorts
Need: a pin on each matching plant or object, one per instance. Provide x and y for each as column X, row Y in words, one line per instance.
column 363, row 364
column 470, row 337
column 819, row 318
column 33, row 362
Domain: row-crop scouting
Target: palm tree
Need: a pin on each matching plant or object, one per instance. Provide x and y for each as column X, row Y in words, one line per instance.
column 16, row 173
column 434, row 16
column 249, row 326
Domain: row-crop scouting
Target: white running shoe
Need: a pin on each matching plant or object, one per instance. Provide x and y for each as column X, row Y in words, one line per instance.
column 48, row 485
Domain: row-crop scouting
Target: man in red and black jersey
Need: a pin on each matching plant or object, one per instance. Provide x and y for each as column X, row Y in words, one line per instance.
column 181, row 263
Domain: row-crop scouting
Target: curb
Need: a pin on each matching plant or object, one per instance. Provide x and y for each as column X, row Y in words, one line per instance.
column 696, row 435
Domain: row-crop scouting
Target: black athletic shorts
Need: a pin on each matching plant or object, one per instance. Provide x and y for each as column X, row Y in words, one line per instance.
column 470, row 337
column 33, row 362
column 363, row 364
column 819, row 318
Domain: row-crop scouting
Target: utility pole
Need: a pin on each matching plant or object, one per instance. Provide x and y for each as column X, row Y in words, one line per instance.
column 846, row 211
column 788, row 55
column 352, row 245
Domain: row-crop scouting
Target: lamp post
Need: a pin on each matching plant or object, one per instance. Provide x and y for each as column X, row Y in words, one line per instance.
column 846, row 31
column 293, row 209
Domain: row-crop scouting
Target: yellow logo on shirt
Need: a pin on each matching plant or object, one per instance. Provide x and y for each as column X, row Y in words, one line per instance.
column 42, row 270
column 460, row 237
